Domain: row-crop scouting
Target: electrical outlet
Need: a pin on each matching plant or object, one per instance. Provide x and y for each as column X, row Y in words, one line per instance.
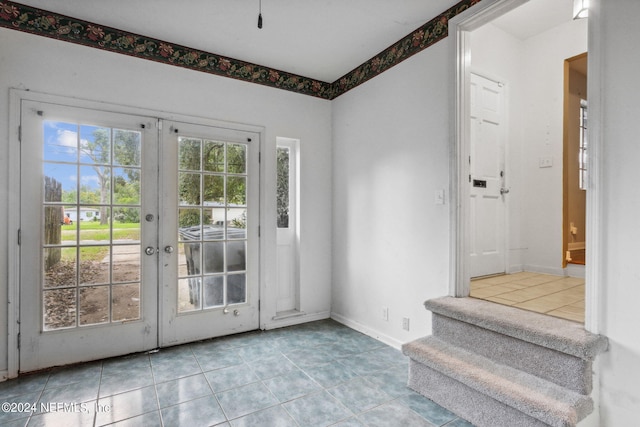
column 385, row 313
column 405, row 323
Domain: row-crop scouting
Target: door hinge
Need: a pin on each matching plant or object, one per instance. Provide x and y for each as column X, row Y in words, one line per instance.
column 258, row 231
column 259, row 157
column 19, row 237
column 19, row 133
column 18, row 340
column 469, row 178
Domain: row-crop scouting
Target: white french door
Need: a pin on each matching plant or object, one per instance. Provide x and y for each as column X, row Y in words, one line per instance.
column 487, row 178
column 132, row 238
column 210, row 229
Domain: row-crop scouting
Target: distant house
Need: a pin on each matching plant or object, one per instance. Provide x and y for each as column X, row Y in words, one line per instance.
column 85, row 214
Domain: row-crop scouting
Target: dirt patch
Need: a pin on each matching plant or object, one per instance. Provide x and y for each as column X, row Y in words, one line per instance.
column 92, row 301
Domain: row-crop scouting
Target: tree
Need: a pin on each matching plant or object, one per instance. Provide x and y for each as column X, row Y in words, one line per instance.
column 126, row 153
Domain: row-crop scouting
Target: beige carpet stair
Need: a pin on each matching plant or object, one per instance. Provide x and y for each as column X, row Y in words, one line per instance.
column 501, row 366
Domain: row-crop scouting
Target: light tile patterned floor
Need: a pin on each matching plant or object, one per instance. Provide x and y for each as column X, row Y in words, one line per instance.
column 557, row 296
column 317, row 374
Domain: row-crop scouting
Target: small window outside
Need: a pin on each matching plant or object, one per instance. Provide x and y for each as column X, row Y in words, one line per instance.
column 582, row 153
column 283, row 166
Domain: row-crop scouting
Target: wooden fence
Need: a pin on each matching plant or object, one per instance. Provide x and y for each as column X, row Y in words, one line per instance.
column 53, row 216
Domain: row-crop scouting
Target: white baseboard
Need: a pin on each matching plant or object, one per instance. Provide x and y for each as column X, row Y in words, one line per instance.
column 367, row 330
column 575, row 270
column 295, row 320
column 545, row 270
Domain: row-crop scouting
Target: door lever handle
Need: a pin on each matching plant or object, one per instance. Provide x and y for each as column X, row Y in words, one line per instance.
column 504, row 191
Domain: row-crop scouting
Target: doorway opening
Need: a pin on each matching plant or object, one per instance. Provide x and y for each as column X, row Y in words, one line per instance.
column 500, row 39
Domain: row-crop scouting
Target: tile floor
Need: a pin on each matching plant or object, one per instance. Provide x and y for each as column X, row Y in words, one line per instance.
column 316, row 374
column 557, row 296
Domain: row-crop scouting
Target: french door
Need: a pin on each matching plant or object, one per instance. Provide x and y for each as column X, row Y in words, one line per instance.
column 131, row 237
column 209, row 223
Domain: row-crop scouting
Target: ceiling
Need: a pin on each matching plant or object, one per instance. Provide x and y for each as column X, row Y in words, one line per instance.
column 319, row 39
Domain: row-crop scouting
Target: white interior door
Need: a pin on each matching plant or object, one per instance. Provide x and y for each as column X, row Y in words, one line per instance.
column 87, row 289
column 209, row 232
column 487, row 178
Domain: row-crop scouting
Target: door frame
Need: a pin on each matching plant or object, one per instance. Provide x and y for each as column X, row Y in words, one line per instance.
column 16, row 96
column 460, row 60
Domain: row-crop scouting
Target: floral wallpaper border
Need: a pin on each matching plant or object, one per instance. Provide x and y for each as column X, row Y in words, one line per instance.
column 32, row 20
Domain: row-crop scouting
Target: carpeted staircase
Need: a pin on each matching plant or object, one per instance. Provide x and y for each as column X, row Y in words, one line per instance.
column 497, row 366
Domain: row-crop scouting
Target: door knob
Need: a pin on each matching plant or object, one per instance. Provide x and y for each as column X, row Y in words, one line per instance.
column 168, row 249
column 150, row 250
column 504, row 190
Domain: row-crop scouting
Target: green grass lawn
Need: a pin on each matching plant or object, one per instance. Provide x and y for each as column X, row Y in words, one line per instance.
column 95, row 231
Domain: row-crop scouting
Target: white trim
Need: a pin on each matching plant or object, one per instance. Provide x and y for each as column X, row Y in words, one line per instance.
column 367, row 331
column 594, row 276
column 295, row 320
column 459, row 28
column 13, row 225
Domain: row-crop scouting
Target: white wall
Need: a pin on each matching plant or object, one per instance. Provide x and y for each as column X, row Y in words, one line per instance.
column 543, row 63
column 390, row 239
column 534, row 72
column 620, row 285
column 44, row 65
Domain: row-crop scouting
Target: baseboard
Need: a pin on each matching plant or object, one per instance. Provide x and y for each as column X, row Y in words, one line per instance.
column 367, row 330
column 4, row 375
column 575, row 270
column 285, row 321
column 559, row 271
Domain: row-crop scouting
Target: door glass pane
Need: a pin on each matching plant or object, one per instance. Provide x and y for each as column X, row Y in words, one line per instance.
column 212, row 182
column 91, row 224
column 283, row 186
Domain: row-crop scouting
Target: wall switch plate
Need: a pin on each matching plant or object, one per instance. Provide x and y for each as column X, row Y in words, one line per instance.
column 545, row 162
column 405, row 323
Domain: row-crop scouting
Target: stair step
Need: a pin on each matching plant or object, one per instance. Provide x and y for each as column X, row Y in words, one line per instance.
column 563, row 369
column 546, row 331
column 501, row 393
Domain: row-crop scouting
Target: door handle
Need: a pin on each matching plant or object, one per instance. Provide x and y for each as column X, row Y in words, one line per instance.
column 149, row 250
column 168, row 249
column 504, row 191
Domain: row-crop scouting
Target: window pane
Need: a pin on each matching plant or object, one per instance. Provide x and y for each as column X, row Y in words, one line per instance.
column 59, row 308
column 126, row 186
column 95, row 145
column 189, row 154
column 283, row 167
column 60, row 141
column 213, row 190
column 213, row 291
column 236, row 258
column 213, row 156
column 213, row 257
column 189, row 294
column 94, row 305
column 59, row 267
column 236, row 289
column 236, row 158
column 126, row 147
column 125, row 302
